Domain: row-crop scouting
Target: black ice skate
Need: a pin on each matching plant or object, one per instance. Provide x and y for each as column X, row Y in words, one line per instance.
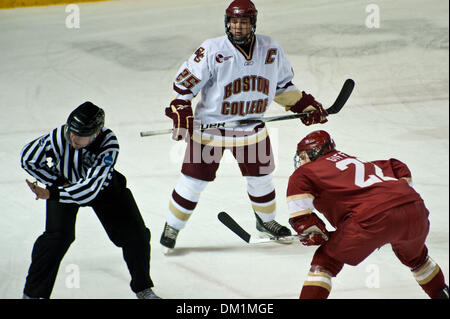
column 444, row 293
column 169, row 237
column 272, row 229
column 147, row 294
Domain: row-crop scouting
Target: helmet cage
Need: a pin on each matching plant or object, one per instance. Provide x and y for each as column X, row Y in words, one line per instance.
column 313, row 153
column 317, row 152
column 241, row 9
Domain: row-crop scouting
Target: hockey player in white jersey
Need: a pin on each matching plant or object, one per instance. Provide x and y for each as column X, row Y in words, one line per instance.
column 239, row 75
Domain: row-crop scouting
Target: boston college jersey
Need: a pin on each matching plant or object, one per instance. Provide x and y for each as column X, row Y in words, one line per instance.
column 339, row 185
column 234, row 85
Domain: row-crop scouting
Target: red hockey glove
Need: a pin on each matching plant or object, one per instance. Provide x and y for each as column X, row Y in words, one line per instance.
column 311, row 229
column 180, row 111
column 308, row 104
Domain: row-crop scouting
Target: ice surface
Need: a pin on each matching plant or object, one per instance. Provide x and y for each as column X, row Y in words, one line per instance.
column 124, row 57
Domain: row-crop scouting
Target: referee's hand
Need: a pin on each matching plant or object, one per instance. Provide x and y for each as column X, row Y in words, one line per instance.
column 41, row 193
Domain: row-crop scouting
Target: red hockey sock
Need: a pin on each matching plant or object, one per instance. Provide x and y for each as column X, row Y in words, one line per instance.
column 317, row 285
column 314, row 292
column 434, row 287
column 430, row 278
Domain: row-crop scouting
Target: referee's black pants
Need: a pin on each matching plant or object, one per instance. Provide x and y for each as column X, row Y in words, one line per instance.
column 117, row 211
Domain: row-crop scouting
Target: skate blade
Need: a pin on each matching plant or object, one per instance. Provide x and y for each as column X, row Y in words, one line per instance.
column 280, row 240
column 262, row 235
column 285, row 240
column 166, row 250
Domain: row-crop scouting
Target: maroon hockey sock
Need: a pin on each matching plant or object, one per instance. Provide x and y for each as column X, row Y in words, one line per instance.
column 434, row 287
column 430, row 277
column 314, row 292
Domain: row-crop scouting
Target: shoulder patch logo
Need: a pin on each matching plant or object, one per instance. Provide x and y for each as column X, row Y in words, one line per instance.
column 108, row 160
column 199, row 54
column 220, row 58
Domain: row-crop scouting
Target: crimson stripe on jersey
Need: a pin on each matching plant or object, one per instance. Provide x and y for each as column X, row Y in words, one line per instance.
column 180, row 91
column 286, row 85
column 234, row 132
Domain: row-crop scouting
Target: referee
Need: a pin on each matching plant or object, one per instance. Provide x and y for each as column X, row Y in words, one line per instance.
column 76, row 163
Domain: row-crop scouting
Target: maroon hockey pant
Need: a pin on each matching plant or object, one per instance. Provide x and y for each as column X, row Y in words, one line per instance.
column 404, row 227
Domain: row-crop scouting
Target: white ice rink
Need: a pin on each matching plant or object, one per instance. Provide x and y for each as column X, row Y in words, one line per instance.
column 124, row 57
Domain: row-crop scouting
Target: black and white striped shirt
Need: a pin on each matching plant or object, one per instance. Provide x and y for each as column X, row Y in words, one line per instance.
column 73, row 176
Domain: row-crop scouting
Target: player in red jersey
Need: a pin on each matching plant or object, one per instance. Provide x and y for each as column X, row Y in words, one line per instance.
column 370, row 204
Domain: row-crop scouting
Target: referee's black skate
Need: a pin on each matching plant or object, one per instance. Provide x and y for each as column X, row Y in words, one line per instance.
column 147, row 294
column 169, row 237
column 272, row 229
column 444, row 293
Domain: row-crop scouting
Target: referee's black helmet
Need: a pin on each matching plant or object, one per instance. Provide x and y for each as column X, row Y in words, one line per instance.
column 86, row 120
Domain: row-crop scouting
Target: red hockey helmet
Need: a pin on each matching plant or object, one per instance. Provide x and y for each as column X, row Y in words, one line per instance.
column 240, row 9
column 316, row 144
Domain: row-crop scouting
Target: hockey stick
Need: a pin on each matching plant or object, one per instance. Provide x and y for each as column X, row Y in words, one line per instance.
column 342, row 98
column 228, row 221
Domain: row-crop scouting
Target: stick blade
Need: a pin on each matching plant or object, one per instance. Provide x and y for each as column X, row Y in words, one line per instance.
column 228, row 221
column 342, row 98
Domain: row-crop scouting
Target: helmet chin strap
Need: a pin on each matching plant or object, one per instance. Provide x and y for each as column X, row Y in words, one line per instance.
column 242, row 41
column 67, row 134
column 315, row 155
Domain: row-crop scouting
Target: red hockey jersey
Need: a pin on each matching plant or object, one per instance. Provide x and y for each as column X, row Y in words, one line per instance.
column 339, row 185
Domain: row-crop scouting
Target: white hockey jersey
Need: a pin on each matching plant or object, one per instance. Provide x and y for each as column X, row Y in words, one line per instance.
column 234, row 85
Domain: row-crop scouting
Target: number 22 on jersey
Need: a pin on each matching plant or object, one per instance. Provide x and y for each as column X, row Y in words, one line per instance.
column 360, row 172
